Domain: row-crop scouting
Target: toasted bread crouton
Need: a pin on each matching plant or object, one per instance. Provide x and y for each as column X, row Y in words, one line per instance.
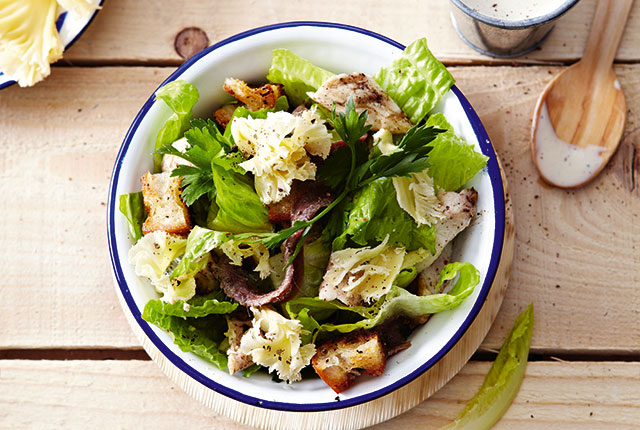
column 165, row 209
column 237, row 361
column 340, row 360
column 254, row 98
column 224, row 115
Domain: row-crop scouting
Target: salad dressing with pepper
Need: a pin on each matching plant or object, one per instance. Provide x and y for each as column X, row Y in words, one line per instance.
column 562, row 163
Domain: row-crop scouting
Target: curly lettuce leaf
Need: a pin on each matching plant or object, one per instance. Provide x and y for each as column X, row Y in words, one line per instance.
column 238, row 208
column 132, row 207
column 415, row 80
column 452, row 160
column 180, row 96
column 502, row 383
column 376, row 215
column 200, row 242
column 190, row 334
column 297, row 75
column 196, row 307
column 398, row 302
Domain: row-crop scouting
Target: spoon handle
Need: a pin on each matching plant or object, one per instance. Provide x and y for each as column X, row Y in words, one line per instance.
column 606, row 31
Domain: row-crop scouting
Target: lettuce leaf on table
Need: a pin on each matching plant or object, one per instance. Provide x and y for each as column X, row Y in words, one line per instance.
column 502, row 383
column 297, row 75
column 180, row 96
column 415, row 80
column 452, row 160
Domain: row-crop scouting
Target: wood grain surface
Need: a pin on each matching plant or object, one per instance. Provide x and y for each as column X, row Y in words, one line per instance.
column 135, row 394
column 115, row 35
column 60, row 139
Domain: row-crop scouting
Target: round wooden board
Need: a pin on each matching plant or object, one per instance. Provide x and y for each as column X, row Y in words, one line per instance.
column 375, row 411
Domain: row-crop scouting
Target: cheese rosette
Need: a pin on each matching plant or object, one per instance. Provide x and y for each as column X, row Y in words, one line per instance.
column 274, row 341
column 237, row 251
column 357, row 275
column 153, row 257
column 415, row 194
column 279, row 148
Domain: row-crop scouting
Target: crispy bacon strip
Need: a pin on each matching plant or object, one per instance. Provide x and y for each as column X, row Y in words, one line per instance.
column 309, row 199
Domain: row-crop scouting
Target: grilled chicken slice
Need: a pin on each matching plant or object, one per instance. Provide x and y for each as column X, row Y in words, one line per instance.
column 429, row 277
column 458, row 210
column 367, row 94
column 255, row 98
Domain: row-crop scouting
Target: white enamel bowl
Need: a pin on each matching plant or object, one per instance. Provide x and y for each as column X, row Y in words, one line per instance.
column 258, row 400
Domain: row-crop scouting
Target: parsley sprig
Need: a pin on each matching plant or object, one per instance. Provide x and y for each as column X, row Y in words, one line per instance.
column 411, row 157
column 207, row 146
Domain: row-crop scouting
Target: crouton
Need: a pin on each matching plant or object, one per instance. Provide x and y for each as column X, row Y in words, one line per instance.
column 254, row 98
column 165, row 209
column 237, row 361
column 340, row 360
column 224, row 114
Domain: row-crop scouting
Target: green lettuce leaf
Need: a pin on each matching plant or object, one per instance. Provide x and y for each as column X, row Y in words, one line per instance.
column 132, row 207
column 297, row 75
column 416, row 80
column 316, row 257
column 200, row 242
column 376, row 215
column 502, row 383
column 237, row 208
column 452, row 161
column 398, row 302
column 198, row 306
column 180, row 96
column 191, row 334
column 251, row 370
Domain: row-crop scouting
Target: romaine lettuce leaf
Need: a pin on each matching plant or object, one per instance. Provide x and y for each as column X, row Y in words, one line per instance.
column 199, row 243
column 415, row 80
column 376, row 214
column 190, row 334
column 452, row 160
column 502, row 383
column 180, row 96
column 297, row 75
column 316, row 257
column 196, row 307
column 237, row 208
column 132, row 207
column 398, row 302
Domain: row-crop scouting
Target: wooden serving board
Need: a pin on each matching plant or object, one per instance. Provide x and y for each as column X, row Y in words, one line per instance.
column 366, row 414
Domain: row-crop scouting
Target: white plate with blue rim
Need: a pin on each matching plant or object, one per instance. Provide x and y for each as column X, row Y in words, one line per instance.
column 69, row 26
column 259, row 401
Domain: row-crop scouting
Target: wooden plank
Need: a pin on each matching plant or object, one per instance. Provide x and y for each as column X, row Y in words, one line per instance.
column 128, row 394
column 129, row 31
column 575, row 250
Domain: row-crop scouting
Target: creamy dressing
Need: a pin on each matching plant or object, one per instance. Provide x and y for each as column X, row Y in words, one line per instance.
column 562, row 163
column 514, row 10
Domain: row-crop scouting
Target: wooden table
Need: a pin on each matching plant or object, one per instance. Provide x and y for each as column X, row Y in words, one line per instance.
column 68, row 357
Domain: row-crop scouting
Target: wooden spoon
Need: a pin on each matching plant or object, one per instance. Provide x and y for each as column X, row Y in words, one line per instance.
column 585, row 106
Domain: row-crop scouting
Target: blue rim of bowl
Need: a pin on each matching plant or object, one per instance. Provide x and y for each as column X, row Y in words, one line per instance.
column 59, row 23
column 521, row 24
column 496, row 184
